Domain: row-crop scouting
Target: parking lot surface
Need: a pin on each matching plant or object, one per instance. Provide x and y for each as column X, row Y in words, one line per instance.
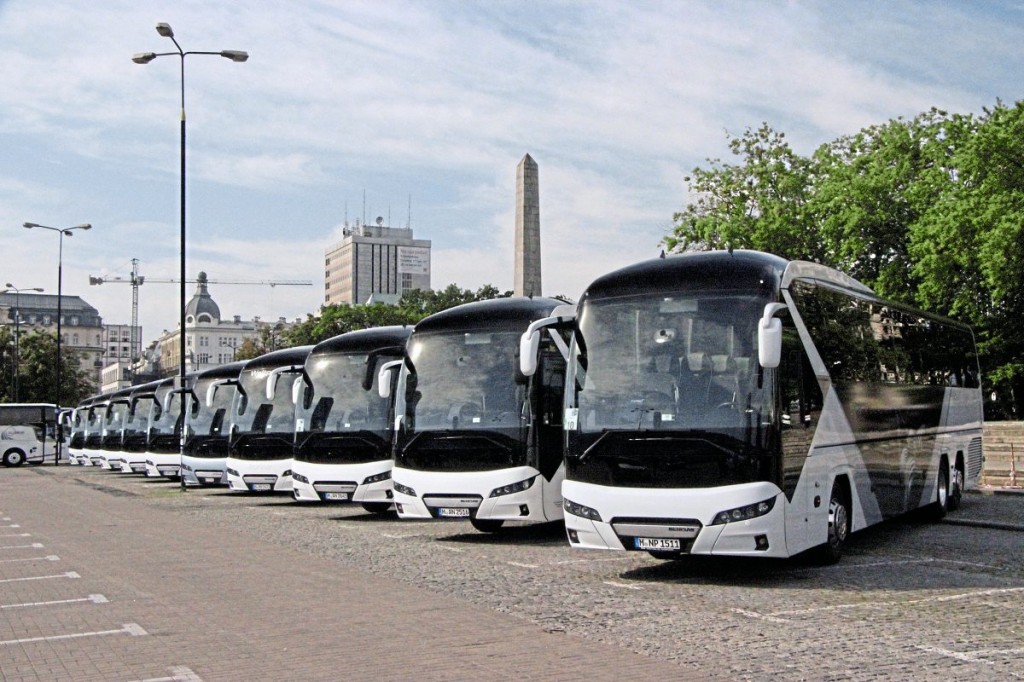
column 116, row 577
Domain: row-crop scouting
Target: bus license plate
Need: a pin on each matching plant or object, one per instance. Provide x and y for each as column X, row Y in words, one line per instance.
column 657, row 543
column 339, row 497
column 261, row 487
column 454, row 512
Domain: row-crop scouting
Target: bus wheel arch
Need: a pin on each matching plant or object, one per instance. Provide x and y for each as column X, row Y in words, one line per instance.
column 14, row 457
column 840, row 513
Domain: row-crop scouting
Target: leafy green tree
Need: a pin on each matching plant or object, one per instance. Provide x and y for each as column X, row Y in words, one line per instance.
column 413, row 307
column 929, row 211
column 37, row 372
column 759, row 203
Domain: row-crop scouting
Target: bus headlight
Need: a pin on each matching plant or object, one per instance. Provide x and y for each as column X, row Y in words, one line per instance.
column 377, row 478
column 580, row 510
column 404, row 489
column 750, row 511
column 513, row 488
column 299, row 477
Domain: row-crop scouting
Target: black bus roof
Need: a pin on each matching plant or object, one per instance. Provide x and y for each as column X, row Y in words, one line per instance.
column 230, row 370
column 501, row 313
column 279, row 358
column 364, row 340
column 710, row 270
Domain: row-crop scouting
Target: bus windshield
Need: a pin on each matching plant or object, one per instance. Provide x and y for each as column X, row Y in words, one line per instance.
column 672, row 384
column 462, row 387
column 208, row 420
column 161, row 421
column 346, row 397
column 462, row 381
column 255, row 414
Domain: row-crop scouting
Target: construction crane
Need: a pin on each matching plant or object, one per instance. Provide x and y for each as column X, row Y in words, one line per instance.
column 137, row 280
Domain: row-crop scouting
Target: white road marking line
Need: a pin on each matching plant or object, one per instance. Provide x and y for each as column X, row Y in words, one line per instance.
column 928, row 600
column 958, row 655
column 451, row 549
column 390, row 536
column 69, row 574
column 519, row 565
column 133, row 629
column 13, row 525
column 34, row 545
column 17, row 535
column 51, row 557
column 759, row 616
column 94, row 598
column 178, row 674
column 624, row 585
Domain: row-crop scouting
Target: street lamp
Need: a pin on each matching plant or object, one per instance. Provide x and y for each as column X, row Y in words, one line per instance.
column 17, row 334
column 145, row 58
column 63, row 232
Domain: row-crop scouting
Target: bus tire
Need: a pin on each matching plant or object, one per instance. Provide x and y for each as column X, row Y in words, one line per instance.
column 956, row 487
column 14, row 458
column 838, row 526
column 377, row 507
column 937, row 509
column 487, row 525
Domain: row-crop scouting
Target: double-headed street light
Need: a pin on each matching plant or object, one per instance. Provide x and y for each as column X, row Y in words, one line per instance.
column 17, row 334
column 144, row 58
column 63, row 232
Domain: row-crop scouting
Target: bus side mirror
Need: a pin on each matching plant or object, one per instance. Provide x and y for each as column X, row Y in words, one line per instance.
column 297, row 387
column 529, row 345
column 384, row 377
column 211, row 392
column 769, row 336
column 272, row 385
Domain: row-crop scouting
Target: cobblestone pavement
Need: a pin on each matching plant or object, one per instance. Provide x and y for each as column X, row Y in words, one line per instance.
column 330, row 592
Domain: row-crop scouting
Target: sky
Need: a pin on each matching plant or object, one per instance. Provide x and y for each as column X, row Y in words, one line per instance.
column 419, row 112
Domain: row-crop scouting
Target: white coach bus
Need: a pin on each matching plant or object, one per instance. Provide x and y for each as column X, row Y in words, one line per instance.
column 28, row 433
column 475, row 439
column 111, row 455
column 343, row 425
column 163, row 437
column 92, row 444
column 737, row 403
column 263, row 422
column 135, row 429
column 76, row 442
column 206, row 425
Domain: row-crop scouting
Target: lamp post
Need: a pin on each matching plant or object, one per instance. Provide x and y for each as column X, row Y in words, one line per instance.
column 63, row 232
column 17, row 334
column 144, row 58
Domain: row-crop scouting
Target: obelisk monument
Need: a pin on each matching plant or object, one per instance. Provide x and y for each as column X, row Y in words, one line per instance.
column 527, row 273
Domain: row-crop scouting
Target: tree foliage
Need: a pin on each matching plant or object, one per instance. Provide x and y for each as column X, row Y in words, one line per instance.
column 37, row 371
column 413, row 307
column 929, row 211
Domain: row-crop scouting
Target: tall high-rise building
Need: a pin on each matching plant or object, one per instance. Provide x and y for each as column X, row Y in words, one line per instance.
column 375, row 263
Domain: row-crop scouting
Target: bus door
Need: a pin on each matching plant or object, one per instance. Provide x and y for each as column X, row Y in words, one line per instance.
column 550, row 383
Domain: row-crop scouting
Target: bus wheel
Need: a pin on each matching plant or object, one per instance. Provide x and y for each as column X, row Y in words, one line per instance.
column 838, row 527
column 14, row 458
column 487, row 525
column 956, row 489
column 377, row 507
column 938, row 508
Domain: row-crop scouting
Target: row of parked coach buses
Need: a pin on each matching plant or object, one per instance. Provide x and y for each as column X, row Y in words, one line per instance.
column 730, row 403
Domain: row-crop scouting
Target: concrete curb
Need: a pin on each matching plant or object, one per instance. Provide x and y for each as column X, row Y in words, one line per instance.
column 980, row 523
